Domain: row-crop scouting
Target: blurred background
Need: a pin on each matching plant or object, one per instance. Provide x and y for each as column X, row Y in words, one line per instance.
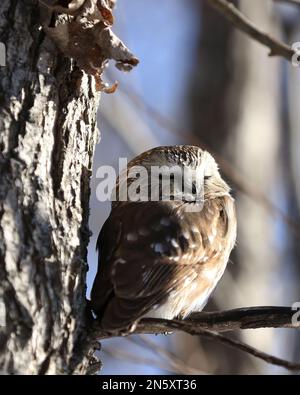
column 201, row 82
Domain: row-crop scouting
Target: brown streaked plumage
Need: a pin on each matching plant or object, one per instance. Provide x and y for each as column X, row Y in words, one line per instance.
column 158, row 258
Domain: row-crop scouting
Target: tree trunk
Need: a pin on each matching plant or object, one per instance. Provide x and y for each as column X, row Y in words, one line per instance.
column 212, row 122
column 255, row 143
column 48, row 135
column 234, row 112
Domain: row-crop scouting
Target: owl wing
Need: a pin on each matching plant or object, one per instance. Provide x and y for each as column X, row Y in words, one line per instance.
column 147, row 250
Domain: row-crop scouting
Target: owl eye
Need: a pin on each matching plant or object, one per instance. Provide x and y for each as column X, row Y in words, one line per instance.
column 207, row 177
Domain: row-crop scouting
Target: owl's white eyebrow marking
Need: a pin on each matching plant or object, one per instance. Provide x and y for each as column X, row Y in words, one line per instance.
column 165, row 221
column 132, row 237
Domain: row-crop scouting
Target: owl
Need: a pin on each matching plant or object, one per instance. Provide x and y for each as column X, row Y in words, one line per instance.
column 162, row 253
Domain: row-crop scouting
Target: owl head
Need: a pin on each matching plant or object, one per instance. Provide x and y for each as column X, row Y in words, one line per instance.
column 181, row 173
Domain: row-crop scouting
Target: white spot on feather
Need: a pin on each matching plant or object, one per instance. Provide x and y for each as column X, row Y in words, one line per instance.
column 186, row 235
column 194, row 229
column 132, row 237
column 174, row 243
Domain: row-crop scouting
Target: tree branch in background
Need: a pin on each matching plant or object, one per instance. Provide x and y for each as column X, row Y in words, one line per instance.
column 241, row 22
column 208, row 324
column 234, row 175
column 172, row 362
column 294, row 2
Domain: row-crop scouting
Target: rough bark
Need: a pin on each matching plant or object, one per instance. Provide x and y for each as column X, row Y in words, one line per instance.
column 47, row 140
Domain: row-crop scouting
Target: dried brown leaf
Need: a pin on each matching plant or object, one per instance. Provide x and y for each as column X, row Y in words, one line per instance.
column 86, row 37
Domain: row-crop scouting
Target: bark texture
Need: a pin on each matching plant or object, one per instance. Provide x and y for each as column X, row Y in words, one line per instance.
column 48, row 135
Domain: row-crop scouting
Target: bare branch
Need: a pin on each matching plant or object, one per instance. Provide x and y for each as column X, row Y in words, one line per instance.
column 208, row 324
column 248, row 349
column 175, row 363
column 234, row 175
column 241, row 22
column 222, row 321
column 294, row 2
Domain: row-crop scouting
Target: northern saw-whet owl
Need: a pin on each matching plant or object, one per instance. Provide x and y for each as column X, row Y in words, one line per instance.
column 163, row 258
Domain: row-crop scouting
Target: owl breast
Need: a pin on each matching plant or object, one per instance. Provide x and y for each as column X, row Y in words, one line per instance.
column 193, row 295
column 214, row 236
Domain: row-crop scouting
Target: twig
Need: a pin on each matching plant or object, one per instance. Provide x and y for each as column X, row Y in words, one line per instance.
column 234, row 176
column 247, row 349
column 241, row 22
column 222, row 321
column 213, row 336
column 170, row 357
column 294, row 2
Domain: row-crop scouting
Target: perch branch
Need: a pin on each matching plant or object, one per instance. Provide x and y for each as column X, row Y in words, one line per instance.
column 241, row 22
column 222, row 321
column 208, row 324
